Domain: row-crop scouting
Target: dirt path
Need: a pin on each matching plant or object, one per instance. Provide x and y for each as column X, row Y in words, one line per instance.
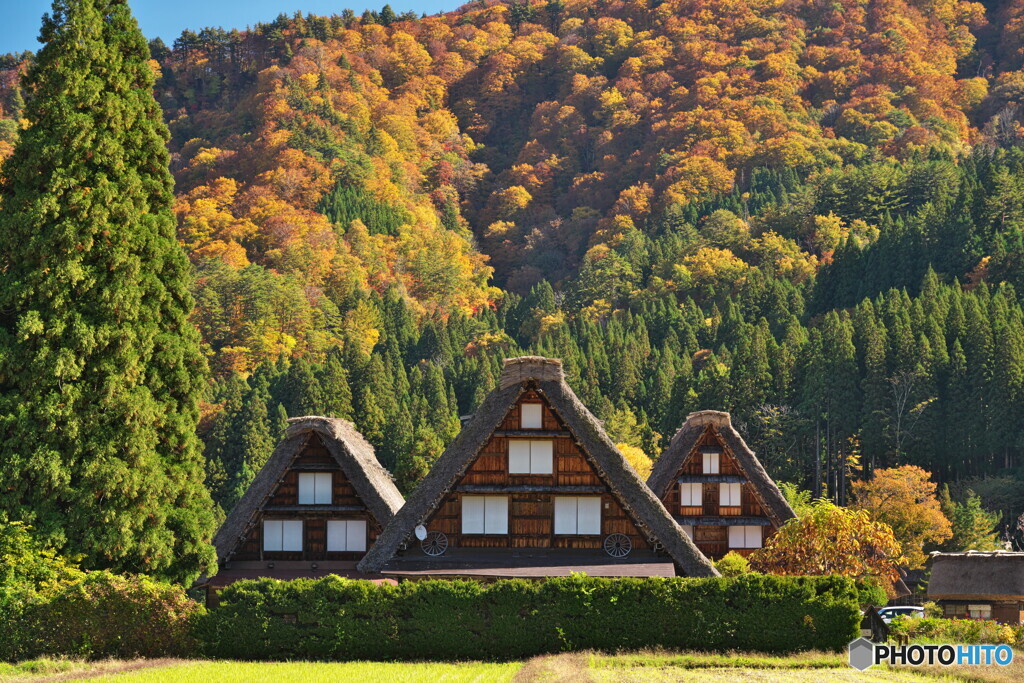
column 564, row 668
column 107, row 668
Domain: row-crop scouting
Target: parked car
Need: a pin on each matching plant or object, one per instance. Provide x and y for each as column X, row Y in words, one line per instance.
column 889, row 613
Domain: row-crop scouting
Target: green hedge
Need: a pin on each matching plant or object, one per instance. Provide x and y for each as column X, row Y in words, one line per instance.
column 103, row 615
column 341, row 619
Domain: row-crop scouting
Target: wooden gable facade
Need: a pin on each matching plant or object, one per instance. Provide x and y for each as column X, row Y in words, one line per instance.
column 715, row 488
column 316, row 468
column 533, row 487
column 316, row 506
column 533, row 475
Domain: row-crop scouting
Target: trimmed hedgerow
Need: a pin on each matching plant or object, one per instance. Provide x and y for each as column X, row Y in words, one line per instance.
column 104, row 615
column 341, row 619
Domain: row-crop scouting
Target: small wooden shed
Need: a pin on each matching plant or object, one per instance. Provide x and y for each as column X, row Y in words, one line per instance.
column 979, row 585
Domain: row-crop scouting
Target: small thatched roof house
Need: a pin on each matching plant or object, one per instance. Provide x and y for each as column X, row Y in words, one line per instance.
column 979, row 585
column 314, row 508
column 715, row 487
column 533, row 487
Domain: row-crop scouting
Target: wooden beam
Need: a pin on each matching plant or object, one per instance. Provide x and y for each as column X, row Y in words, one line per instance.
column 527, row 488
column 724, row 521
column 711, row 479
column 314, row 508
column 530, row 433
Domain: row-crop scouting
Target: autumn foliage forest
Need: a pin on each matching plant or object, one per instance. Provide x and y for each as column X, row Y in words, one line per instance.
column 808, row 213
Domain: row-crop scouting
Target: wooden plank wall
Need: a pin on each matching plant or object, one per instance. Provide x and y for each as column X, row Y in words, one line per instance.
column 531, row 514
column 713, row 541
column 314, row 455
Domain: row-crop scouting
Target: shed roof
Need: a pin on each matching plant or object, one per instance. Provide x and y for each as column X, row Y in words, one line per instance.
column 977, row 575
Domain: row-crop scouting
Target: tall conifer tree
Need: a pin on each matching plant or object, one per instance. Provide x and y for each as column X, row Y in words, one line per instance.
column 100, row 368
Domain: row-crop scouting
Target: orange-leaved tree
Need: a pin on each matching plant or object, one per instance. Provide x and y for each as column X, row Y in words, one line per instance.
column 904, row 498
column 831, row 540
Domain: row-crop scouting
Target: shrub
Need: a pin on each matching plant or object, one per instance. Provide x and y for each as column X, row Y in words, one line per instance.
column 871, row 592
column 969, row 631
column 733, row 564
column 343, row 619
column 28, row 572
column 110, row 615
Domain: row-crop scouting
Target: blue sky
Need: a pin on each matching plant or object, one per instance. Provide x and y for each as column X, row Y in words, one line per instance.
column 167, row 18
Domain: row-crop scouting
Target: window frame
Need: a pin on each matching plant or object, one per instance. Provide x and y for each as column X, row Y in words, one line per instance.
column 501, row 520
column 291, row 524
column 730, row 488
column 547, row 458
column 561, row 508
column 539, row 407
column 689, row 487
column 747, row 530
column 348, row 524
column 318, row 479
column 709, row 458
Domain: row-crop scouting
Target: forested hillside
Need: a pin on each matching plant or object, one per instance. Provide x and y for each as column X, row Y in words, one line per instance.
column 807, row 213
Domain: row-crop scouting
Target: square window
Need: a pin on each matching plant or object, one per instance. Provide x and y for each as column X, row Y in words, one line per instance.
column 729, row 494
column 748, row 536
column 531, row 416
column 315, row 488
column 282, row 535
column 688, row 530
column 578, row 515
column 691, row 495
column 346, row 535
column 530, row 457
column 485, row 515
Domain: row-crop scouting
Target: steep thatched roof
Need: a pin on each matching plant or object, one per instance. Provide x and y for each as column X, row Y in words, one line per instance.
column 666, row 468
column 976, row 575
column 353, row 454
column 545, row 376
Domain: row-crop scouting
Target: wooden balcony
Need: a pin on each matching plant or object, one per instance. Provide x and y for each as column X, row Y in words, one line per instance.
column 691, row 510
column 730, row 510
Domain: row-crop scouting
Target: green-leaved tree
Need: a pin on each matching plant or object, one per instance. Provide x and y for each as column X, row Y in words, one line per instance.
column 100, row 368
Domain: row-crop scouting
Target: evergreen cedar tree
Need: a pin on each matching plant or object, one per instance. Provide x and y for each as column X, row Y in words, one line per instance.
column 100, row 368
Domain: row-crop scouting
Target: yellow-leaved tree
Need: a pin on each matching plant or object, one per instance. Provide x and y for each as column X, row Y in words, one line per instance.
column 904, row 498
column 832, row 540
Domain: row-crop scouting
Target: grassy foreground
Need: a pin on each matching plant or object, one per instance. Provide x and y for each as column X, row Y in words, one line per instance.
column 811, row 667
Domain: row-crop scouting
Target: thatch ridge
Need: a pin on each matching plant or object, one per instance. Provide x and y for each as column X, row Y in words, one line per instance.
column 977, row 575
column 612, row 466
column 666, row 467
column 354, row 455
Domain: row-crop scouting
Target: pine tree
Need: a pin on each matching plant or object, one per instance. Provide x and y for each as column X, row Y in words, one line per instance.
column 255, row 443
column 100, row 368
column 337, row 393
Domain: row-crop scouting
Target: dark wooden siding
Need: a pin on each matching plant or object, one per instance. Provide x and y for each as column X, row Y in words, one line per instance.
column 713, row 540
column 313, row 457
column 531, row 513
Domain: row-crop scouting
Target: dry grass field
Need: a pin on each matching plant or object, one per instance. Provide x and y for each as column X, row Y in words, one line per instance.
column 643, row 667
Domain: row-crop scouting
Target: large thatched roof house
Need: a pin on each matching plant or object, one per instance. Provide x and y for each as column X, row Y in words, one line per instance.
column 715, row 487
column 533, row 487
column 979, row 585
column 314, row 508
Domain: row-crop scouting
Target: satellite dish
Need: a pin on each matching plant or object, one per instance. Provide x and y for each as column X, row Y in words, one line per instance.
column 421, row 532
